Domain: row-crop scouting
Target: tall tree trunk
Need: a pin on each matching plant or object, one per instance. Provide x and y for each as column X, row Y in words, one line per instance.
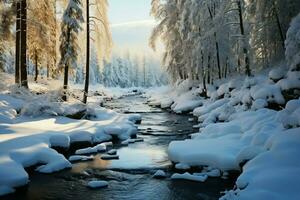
column 66, row 73
column 36, row 66
column 208, row 70
column 87, row 71
column 282, row 35
column 48, row 69
column 226, row 68
column 17, row 55
column 218, row 56
column 212, row 15
column 247, row 64
column 66, row 78
column 23, row 45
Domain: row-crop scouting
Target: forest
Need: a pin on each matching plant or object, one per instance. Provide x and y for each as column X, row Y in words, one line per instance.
column 208, row 109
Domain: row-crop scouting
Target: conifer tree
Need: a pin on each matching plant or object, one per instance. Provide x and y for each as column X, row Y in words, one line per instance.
column 70, row 28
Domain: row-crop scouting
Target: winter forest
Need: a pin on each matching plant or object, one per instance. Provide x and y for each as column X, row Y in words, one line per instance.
column 155, row 99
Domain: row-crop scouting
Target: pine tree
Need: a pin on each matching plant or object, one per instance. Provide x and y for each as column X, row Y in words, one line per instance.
column 70, row 28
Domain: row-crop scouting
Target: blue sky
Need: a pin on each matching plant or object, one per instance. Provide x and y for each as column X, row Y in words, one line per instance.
column 131, row 25
column 121, row 11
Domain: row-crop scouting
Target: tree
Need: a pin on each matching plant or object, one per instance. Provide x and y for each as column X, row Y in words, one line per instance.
column 87, row 72
column 293, row 45
column 7, row 11
column 23, row 44
column 101, row 34
column 70, row 28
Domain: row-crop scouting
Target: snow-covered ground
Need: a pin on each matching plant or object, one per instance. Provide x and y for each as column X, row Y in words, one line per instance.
column 31, row 124
column 253, row 120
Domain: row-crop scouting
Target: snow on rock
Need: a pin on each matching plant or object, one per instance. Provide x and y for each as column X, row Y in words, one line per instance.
column 290, row 116
column 206, row 108
column 190, row 177
column 270, row 93
column 160, row 174
column 90, row 150
column 277, row 73
column 214, row 173
column 182, row 166
column 112, row 152
column 97, row 184
column 80, row 158
column 292, row 81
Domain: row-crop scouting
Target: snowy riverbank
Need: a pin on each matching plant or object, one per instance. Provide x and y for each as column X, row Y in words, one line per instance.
column 31, row 124
column 253, row 120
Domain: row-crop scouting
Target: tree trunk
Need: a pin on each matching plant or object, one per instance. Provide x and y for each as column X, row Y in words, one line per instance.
column 17, row 55
column 226, row 68
column 36, row 66
column 282, row 36
column 208, row 70
column 23, row 45
column 87, row 72
column 48, row 68
column 66, row 78
column 218, row 56
column 247, row 64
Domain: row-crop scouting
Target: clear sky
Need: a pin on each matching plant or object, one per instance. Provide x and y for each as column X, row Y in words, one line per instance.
column 131, row 25
column 121, row 11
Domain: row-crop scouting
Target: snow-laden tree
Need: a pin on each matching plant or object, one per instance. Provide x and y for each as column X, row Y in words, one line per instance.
column 70, row 27
column 268, row 24
column 292, row 44
column 209, row 39
column 6, row 21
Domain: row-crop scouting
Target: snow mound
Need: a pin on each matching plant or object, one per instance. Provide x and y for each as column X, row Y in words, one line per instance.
column 90, row 150
column 273, row 174
column 97, row 184
column 75, row 158
column 190, row 177
column 160, row 174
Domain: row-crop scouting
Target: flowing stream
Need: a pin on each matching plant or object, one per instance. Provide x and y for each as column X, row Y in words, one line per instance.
column 129, row 177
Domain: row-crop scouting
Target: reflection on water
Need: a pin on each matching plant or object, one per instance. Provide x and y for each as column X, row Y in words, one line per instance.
column 130, row 177
column 136, row 156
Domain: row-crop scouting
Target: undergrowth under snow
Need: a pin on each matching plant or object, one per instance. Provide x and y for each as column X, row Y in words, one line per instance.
column 252, row 120
column 31, row 124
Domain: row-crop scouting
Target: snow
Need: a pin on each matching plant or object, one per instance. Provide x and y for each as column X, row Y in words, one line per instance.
column 80, row 158
column 90, row 150
column 182, row 166
column 292, row 42
column 59, row 141
column 237, row 131
column 190, row 177
column 272, row 174
column 97, row 184
column 277, row 73
column 112, row 152
column 27, row 136
column 209, row 173
column 159, row 174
